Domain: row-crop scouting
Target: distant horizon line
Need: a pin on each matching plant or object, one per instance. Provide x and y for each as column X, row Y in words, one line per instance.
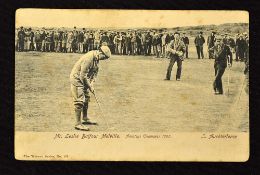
column 132, row 27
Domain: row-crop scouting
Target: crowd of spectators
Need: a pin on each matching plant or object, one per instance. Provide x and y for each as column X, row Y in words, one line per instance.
column 131, row 42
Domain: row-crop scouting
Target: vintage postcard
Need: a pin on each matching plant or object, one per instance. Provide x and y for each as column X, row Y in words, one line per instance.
column 132, row 85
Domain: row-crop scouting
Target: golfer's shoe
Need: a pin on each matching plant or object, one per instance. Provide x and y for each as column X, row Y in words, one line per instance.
column 215, row 89
column 178, row 79
column 82, row 127
column 89, row 122
column 166, row 79
column 218, row 93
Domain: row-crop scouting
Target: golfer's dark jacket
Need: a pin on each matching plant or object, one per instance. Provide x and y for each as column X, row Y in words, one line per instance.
column 180, row 47
column 221, row 56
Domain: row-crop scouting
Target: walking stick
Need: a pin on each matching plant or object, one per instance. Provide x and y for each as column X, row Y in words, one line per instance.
column 228, row 75
column 228, row 79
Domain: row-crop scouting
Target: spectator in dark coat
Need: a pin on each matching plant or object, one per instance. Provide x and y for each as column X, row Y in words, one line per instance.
column 199, row 41
column 148, row 43
column 21, row 37
column 104, row 39
column 186, row 42
column 240, row 45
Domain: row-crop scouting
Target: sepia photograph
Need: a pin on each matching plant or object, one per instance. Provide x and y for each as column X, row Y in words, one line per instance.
column 147, row 79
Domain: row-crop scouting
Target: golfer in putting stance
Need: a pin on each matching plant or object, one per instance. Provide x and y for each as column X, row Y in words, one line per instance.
column 223, row 57
column 176, row 50
column 81, row 79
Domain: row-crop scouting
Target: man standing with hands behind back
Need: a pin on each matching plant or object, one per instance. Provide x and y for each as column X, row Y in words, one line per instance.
column 176, row 50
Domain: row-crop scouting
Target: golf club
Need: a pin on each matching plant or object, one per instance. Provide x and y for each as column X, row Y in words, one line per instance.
column 102, row 113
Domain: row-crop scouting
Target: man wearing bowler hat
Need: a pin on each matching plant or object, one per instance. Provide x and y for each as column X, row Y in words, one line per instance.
column 199, row 41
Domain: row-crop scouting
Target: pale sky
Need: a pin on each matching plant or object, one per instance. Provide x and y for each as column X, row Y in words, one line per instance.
column 126, row 18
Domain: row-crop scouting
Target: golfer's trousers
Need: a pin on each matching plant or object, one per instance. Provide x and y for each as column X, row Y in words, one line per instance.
column 187, row 50
column 219, row 71
column 179, row 67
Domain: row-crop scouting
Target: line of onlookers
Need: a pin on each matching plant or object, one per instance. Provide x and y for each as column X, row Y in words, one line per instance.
column 130, row 42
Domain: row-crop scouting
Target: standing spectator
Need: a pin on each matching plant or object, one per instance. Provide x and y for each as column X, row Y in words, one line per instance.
column 38, row 40
column 80, row 40
column 133, row 43
column 164, row 44
column 47, row 42
column 32, row 41
column 60, row 41
column 90, row 41
column 128, row 43
column 246, row 47
column 16, row 39
column 69, row 42
column 143, row 42
column 96, row 40
column 64, row 42
column 158, row 45
column 52, row 41
column 224, row 38
column 27, row 40
column 85, row 45
column 186, row 42
column 111, row 44
column 138, row 44
column 240, row 44
column 43, row 39
column 120, row 43
column 236, row 37
column 211, row 42
column 104, row 39
column 231, row 44
column 148, row 43
column 246, row 70
column 123, row 44
column 171, row 37
column 56, row 41
column 74, row 41
column 116, row 42
column 154, row 42
column 199, row 41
